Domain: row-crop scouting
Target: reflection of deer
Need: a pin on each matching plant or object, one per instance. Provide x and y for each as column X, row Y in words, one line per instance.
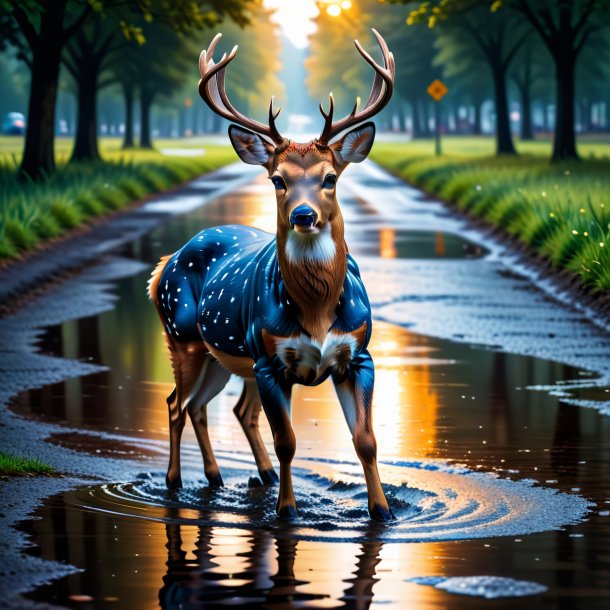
column 275, row 311
column 249, row 575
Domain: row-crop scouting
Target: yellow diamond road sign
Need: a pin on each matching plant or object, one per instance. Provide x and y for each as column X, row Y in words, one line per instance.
column 437, row 90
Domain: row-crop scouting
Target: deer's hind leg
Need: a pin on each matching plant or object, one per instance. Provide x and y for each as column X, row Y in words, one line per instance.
column 173, row 479
column 198, row 379
column 247, row 410
column 185, row 358
column 208, row 380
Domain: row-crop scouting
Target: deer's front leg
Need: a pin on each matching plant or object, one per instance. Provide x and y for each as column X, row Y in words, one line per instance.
column 355, row 392
column 275, row 397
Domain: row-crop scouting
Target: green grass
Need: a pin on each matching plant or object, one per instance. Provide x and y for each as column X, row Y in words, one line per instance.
column 561, row 212
column 17, row 465
column 32, row 213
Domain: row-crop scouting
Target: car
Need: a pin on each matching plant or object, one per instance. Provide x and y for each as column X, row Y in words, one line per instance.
column 13, row 124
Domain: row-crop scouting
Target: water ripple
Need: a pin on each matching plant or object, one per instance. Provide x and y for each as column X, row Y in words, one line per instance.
column 432, row 501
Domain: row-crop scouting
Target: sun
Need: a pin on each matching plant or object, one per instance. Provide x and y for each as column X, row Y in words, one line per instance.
column 295, row 19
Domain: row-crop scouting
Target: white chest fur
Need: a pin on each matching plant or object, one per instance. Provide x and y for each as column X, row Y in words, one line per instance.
column 307, row 359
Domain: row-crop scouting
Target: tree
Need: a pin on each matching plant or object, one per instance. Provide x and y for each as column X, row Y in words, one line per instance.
column 253, row 76
column 126, row 74
column 43, row 27
column 522, row 77
column 564, row 26
column 162, row 65
column 530, row 69
column 14, row 83
column 334, row 65
column 416, row 70
column 85, row 56
column 464, row 74
column 592, row 81
column 494, row 36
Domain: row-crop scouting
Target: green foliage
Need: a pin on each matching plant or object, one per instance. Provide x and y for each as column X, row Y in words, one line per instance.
column 18, row 465
column 561, row 212
column 34, row 212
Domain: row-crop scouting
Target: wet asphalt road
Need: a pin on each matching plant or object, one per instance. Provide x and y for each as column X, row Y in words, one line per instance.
column 468, row 306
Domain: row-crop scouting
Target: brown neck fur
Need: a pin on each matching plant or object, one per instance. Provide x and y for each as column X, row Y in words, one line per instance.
column 315, row 287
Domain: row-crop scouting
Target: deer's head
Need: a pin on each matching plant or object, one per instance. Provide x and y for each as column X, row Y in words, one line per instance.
column 304, row 175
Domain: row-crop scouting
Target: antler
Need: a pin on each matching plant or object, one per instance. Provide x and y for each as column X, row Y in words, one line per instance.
column 380, row 95
column 212, row 91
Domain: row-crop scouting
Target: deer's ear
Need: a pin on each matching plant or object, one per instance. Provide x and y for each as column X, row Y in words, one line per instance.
column 356, row 144
column 250, row 147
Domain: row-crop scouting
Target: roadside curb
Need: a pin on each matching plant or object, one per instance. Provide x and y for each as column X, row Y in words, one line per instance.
column 560, row 284
column 32, row 275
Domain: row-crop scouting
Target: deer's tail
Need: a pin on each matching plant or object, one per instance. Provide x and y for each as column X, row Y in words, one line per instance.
column 155, row 278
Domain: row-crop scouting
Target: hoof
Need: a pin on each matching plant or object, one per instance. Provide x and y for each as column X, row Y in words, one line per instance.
column 174, row 482
column 287, row 512
column 268, row 477
column 380, row 513
column 215, row 480
column 254, row 483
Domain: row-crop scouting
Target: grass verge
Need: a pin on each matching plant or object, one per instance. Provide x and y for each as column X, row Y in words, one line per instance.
column 561, row 212
column 17, row 465
column 31, row 213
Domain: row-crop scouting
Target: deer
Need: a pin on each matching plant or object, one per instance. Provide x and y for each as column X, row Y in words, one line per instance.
column 275, row 310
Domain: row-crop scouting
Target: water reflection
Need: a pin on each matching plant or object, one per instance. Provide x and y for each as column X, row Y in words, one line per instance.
column 252, row 569
column 138, row 564
column 204, row 566
column 390, row 242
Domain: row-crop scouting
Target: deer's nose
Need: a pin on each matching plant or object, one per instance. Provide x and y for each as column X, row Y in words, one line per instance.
column 303, row 215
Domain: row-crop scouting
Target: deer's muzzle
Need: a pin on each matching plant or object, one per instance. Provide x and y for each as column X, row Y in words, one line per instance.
column 303, row 216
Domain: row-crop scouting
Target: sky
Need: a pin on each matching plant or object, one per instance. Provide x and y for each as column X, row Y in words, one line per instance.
column 295, row 16
column 295, row 19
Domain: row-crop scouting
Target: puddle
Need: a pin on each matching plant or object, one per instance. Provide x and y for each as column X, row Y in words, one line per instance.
column 389, row 242
column 486, row 467
column 489, row 587
column 431, row 502
column 226, row 547
column 102, row 446
column 478, row 468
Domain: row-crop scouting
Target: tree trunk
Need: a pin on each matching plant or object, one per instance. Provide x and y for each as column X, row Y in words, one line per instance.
column 548, row 126
column 426, row 117
column 128, row 95
column 564, row 144
column 146, row 100
column 527, row 132
column 181, row 122
column 401, row 112
column 504, row 140
column 588, row 115
column 476, row 125
column 85, row 144
column 217, row 123
column 38, row 153
column 416, row 119
column 195, row 120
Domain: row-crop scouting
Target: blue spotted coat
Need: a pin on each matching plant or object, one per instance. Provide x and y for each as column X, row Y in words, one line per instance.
column 225, row 286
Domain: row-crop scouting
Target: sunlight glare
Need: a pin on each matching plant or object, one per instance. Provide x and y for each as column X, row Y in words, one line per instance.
column 295, row 19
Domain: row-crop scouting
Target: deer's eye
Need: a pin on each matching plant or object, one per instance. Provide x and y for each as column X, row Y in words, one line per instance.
column 278, row 183
column 329, row 181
